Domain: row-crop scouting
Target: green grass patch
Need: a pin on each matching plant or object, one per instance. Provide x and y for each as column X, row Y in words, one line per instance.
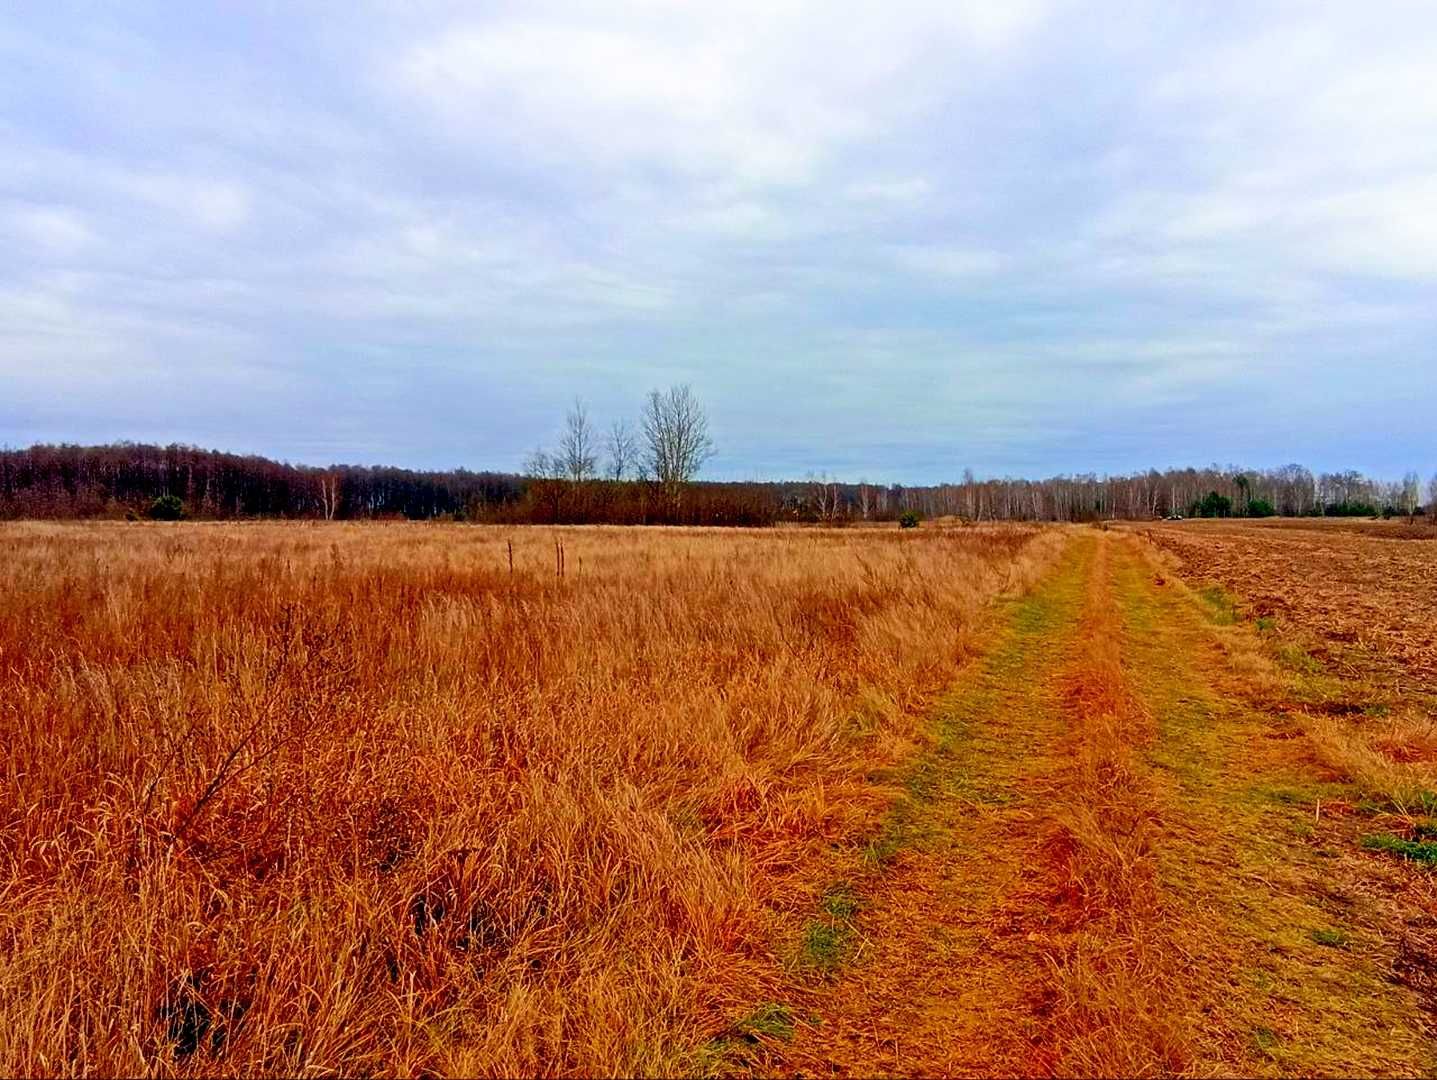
column 1418, row 851
column 1297, row 659
column 734, row 1050
column 840, row 902
column 882, row 850
column 824, row 945
column 770, row 1021
column 1266, row 1041
column 826, row 939
column 1333, row 939
column 1222, row 608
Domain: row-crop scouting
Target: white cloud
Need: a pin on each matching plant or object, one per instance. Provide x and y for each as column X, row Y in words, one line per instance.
column 214, row 205
column 219, row 206
column 947, row 262
column 911, row 190
column 54, row 231
column 748, row 93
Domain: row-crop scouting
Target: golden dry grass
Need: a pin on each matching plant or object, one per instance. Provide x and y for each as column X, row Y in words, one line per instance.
column 1115, row 974
column 337, row 798
column 1349, row 647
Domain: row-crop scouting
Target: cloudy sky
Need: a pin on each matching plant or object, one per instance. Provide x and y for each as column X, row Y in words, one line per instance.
column 880, row 240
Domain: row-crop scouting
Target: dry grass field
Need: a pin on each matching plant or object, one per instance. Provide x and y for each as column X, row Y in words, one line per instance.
column 293, row 799
column 453, row 800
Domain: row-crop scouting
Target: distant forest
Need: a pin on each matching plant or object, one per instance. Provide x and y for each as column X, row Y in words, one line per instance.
column 139, row 480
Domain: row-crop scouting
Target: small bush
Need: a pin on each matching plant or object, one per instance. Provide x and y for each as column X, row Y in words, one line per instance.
column 1260, row 508
column 167, row 508
column 909, row 519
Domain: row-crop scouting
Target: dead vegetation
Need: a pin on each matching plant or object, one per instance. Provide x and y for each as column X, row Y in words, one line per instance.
column 1346, row 643
column 1114, row 973
column 283, row 799
column 1362, row 597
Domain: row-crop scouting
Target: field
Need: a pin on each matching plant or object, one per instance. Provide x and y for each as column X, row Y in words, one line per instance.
column 281, row 798
column 1362, row 593
column 446, row 799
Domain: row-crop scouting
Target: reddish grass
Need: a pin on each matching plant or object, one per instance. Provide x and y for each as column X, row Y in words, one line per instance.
column 340, row 798
column 1114, row 969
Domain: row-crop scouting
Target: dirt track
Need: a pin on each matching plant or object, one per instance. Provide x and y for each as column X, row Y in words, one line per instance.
column 1113, row 863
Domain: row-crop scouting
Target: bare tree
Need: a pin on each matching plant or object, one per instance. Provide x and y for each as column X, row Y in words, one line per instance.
column 542, row 465
column 623, row 447
column 826, row 501
column 676, row 430
column 577, row 457
column 1432, row 498
column 328, row 494
column 1411, row 494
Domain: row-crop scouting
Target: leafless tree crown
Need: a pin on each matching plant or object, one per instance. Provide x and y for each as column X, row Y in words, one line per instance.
column 577, row 451
column 623, row 448
column 541, row 465
column 676, row 430
column 1411, row 494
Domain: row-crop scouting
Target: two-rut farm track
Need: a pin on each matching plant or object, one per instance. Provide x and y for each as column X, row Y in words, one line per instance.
column 1112, row 862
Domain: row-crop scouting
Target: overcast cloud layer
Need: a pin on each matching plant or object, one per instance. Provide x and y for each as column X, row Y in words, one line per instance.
column 881, row 240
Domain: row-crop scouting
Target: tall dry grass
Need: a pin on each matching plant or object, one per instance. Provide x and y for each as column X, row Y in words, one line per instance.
column 1117, row 1007
column 301, row 798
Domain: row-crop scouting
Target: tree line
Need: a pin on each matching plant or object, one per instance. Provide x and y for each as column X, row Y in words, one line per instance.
column 647, row 473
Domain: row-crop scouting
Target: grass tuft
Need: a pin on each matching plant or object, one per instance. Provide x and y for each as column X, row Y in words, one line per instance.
column 824, row 945
column 770, row 1021
column 1333, row 939
column 1222, row 607
column 1418, row 851
column 840, row 902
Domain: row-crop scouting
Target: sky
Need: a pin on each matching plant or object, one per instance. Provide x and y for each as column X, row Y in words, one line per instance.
column 880, row 241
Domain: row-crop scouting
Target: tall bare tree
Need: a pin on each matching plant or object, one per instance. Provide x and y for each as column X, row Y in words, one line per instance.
column 623, row 447
column 1411, row 494
column 1432, row 498
column 677, row 432
column 328, row 494
column 826, row 498
column 577, row 451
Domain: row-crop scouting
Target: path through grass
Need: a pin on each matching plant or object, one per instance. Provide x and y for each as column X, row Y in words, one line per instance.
column 1111, row 862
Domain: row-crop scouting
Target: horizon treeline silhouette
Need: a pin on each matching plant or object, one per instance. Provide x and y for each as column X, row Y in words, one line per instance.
column 125, row 479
